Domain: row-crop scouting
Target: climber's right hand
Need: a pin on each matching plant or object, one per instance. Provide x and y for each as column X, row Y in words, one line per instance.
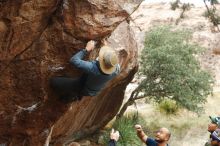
column 90, row 45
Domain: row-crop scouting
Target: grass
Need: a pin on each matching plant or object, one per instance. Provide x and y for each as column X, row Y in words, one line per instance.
column 182, row 125
column 125, row 126
column 187, row 128
column 168, row 107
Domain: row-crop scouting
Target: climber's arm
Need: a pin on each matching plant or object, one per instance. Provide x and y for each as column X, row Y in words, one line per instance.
column 77, row 61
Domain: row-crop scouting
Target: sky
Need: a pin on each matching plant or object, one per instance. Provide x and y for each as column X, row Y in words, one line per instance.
column 195, row 2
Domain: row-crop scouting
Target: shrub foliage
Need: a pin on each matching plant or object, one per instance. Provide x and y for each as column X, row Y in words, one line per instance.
column 170, row 70
column 211, row 13
column 125, row 126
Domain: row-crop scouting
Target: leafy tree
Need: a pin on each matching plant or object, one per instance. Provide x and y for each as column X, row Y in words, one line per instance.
column 211, row 11
column 170, row 70
column 185, row 7
column 212, row 2
column 174, row 5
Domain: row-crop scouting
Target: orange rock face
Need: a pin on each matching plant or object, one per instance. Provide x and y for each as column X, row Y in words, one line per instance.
column 37, row 39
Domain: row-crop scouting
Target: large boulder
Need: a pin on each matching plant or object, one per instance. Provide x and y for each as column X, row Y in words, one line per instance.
column 37, row 39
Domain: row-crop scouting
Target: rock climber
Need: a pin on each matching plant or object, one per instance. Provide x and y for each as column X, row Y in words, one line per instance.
column 95, row 75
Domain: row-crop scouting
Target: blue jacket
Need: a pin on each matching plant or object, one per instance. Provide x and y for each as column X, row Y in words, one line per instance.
column 94, row 79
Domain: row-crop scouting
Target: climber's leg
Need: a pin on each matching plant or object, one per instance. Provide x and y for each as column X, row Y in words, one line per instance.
column 66, row 88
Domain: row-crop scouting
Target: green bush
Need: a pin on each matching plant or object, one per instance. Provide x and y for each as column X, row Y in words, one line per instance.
column 168, row 107
column 125, row 126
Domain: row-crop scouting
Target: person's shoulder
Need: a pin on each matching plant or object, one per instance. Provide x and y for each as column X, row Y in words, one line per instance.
column 96, row 68
column 95, row 62
column 216, row 135
column 151, row 141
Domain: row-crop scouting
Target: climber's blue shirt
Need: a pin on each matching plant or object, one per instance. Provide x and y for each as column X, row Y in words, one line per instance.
column 94, row 80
